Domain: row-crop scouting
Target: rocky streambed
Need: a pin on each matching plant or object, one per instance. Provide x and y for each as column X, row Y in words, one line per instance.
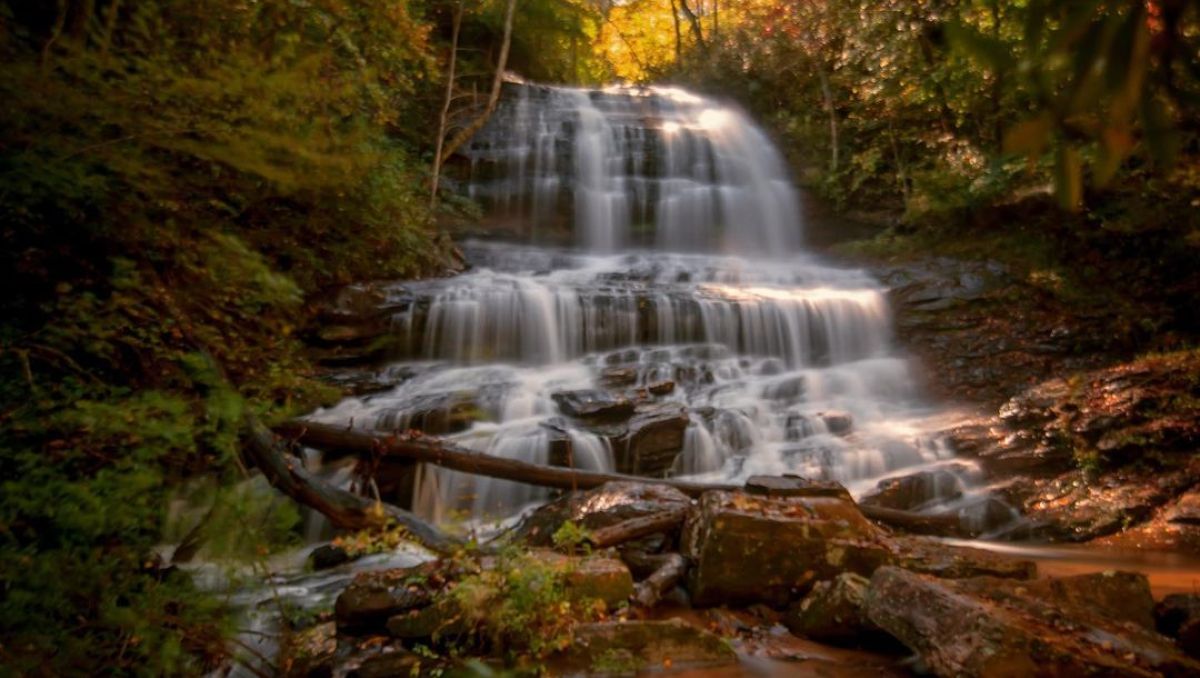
column 1088, row 440
column 726, row 584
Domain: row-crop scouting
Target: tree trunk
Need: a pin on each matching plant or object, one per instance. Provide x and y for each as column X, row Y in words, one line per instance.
column 647, row 593
column 716, row 11
column 445, row 114
column 694, row 22
column 344, row 509
column 433, row 451
column 469, row 131
column 678, row 34
column 827, row 95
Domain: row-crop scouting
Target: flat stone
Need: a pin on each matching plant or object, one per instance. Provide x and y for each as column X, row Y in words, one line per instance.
column 635, row 646
column 794, row 486
column 935, row 557
column 748, row 549
column 593, row 404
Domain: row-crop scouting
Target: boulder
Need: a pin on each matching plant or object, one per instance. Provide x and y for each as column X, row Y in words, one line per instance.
column 917, row 490
column 628, row 647
column 749, row 549
column 373, row 597
column 585, row 581
column 1178, row 616
column 327, row 555
column 988, row 627
column 652, row 440
column 593, row 404
column 838, row 423
column 833, row 611
column 595, row 577
column 607, row 505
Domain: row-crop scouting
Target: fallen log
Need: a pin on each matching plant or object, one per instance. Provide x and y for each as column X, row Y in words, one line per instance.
column 343, row 509
column 431, row 450
column 648, row 592
column 636, row 528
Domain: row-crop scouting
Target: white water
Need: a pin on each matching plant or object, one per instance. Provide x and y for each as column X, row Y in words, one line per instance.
column 687, row 268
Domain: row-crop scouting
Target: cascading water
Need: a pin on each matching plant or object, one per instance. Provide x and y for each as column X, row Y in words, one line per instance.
column 686, row 313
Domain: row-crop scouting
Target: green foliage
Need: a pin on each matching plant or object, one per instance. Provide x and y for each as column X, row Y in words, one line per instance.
column 175, row 179
column 522, row 605
column 918, row 106
column 570, row 537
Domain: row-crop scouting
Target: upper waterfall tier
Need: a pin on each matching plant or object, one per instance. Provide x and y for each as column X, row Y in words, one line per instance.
column 654, row 167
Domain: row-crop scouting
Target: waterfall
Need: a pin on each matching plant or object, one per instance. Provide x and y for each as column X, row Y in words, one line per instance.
column 684, row 311
column 636, row 166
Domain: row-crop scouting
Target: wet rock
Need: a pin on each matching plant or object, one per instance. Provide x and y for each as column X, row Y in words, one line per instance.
column 661, row 388
column 748, row 549
column 327, row 555
column 618, row 377
column 443, row 618
column 595, row 577
column 373, row 597
column 1186, row 510
column 915, row 491
column 833, row 611
column 795, row 486
column 607, row 505
column 593, row 404
column 838, row 423
column 935, row 557
column 652, row 440
column 434, row 414
column 309, row 653
column 986, row 626
column 380, row 657
column 585, row 580
column 1178, row 616
column 636, row 646
column 1076, row 507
